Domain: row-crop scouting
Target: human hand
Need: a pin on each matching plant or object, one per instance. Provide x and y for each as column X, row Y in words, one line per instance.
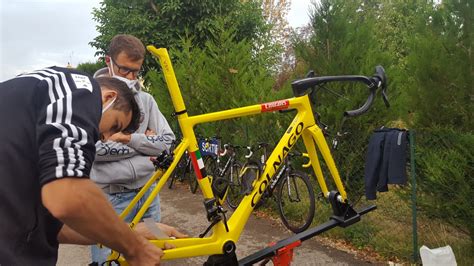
column 171, row 231
column 120, row 137
column 143, row 230
column 145, row 254
column 150, row 132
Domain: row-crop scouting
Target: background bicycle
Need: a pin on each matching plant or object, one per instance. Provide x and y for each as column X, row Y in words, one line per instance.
column 184, row 170
column 290, row 189
column 227, row 168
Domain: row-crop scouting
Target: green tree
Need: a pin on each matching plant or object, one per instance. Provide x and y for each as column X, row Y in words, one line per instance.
column 164, row 23
column 224, row 74
column 91, row 67
column 441, row 65
column 441, row 99
column 343, row 42
column 446, row 166
column 395, row 28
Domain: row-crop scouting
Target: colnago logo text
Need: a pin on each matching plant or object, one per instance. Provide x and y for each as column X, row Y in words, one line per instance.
column 294, row 134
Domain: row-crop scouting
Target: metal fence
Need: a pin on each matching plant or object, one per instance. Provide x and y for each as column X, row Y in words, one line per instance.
column 405, row 219
column 402, row 223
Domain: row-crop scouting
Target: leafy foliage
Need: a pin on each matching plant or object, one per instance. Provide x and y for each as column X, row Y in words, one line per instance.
column 446, row 166
column 426, row 49
column 224, row 74
column 91, row 67
column 164, row 23
column 441, row 100
column 441, row 68
column 343, row 43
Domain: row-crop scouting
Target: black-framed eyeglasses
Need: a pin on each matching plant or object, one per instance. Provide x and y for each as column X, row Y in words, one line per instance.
column 125, row 70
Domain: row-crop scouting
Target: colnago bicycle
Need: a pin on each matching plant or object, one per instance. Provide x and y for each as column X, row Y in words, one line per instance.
column 225, row 231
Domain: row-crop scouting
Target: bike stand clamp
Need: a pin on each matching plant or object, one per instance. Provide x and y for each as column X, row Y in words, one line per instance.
column 342, row 212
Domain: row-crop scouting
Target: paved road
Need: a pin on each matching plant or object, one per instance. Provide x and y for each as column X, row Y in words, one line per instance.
column 186, row 211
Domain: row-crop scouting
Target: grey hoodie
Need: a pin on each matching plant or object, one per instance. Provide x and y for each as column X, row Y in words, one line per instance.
column 129, row 165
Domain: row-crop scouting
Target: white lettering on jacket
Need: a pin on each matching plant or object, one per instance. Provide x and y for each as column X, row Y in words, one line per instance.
column 105, row 149
column 155, row 138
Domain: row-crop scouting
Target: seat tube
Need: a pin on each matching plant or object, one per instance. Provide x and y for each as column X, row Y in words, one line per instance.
column 170, row 79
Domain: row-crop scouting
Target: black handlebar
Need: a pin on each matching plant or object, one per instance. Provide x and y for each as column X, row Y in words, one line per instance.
column 378, row 80
column 231, row 146
column 380, row 74
column 364, row 108
column 302, row 85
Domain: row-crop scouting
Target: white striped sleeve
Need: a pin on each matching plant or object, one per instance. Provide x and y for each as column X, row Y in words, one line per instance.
column 67, row 125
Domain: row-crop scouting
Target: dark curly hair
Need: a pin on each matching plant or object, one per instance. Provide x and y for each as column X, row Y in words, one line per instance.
column 125, row 100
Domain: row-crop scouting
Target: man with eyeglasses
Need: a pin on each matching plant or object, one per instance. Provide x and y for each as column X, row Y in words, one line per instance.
column 123, row 164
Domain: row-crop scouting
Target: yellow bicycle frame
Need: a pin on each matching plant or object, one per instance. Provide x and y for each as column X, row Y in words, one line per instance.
column 303, row 125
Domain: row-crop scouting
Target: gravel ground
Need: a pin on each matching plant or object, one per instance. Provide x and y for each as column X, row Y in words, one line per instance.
column 184, row 210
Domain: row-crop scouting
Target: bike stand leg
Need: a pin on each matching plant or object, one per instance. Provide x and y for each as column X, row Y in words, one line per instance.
column 222, row 260
column 284, row 255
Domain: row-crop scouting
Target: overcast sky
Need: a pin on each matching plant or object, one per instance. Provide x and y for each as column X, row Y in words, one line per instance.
column 41, row 33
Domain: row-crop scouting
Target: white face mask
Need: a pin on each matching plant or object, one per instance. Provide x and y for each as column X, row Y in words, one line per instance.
column 130, row 83
column 108, row 105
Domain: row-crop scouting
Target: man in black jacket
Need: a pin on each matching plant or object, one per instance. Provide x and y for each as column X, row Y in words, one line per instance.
column 51, row 120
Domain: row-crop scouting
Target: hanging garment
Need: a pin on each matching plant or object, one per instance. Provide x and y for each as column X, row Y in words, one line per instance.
column 386, row 160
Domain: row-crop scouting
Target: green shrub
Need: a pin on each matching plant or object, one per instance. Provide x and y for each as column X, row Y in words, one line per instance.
column 225, row 74
column 445, row 164
column 91, row 67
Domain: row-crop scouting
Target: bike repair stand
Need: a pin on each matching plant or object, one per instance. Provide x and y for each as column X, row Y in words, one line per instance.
column 281, row 253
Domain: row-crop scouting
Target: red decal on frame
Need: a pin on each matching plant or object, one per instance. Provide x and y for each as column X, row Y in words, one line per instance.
column 274, row 106
column 197, row 171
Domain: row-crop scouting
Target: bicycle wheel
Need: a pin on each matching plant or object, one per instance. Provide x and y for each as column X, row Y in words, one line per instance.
column 191, row 177
column 234, row 192
column 178, row 172
column 210, row 162
column 295, row 201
